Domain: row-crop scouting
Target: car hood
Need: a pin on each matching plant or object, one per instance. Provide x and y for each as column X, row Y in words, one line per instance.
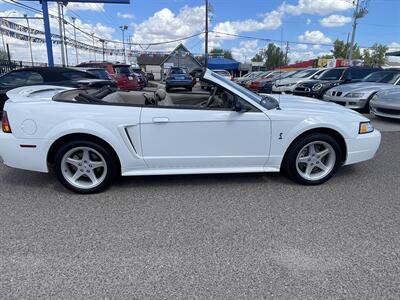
column 362, row 87
column 311, row 83
column 304, row 106
column 288, row 80
column 389, row 96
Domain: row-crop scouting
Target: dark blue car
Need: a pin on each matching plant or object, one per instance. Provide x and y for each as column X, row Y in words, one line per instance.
column 178, row 77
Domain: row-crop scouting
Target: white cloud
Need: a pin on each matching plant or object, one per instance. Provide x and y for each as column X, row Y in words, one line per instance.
column 245, row 51
column 164, row 25
column 314, row 37
column 321, row 7
column 334, row 21
column 125, row 16
column 308, row 21
column 394, row 46
column 99, row 7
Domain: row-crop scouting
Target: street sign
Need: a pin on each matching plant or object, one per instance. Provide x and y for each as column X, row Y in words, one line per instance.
column 46, row 21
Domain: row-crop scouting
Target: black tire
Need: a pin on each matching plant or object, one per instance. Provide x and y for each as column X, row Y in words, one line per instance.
column 189, row 89
column 110, row 161
column 167, row 89
column 289, row 164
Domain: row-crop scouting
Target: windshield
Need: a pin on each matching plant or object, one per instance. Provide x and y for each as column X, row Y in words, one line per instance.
column 100, row 73
column 331, row 74
column 268, row 102
column 178, row 71
column 306, row 73
column 123, row 70
column 383, row 77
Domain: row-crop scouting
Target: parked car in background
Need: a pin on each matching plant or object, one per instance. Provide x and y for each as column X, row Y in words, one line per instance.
column 264, row 74
column 229, row 130
column 358, row 95
column 266, row 85
column 316, row 88
column 256, row 84
column 178, row 77
column 48, row 75
column 223, row 73
column 287, row 85
column 98, row 73
column 122, row 74
column 244, row 80
column 386, row 103
column 247, row 76
column 141, row 75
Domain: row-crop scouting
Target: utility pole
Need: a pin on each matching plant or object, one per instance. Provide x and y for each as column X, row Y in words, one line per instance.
column 286, row 52
column 94, row 50
column 123, row 28
column 359, row 13
column 64, row 36
column 29, row 37
column 61, row 33
column 102, row 44
column 76, row 44
column 206, row 38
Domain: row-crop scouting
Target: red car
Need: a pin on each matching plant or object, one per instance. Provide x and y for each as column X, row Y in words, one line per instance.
column 121, row 73
column 258, row 83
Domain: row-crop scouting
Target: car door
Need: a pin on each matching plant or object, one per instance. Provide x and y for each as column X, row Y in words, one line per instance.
column 198, row 138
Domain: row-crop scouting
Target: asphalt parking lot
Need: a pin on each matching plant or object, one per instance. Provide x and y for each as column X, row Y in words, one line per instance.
column 252, row 236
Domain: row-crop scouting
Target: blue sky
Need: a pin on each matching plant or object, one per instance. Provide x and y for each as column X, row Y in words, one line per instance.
column 298, row 21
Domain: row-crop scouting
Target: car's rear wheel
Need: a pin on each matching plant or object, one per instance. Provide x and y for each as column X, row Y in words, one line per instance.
column 85, row 167
column 313, row 159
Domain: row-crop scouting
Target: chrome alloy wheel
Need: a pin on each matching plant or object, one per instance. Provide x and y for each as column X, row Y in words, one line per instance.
column 84, row 167
column 315, row 160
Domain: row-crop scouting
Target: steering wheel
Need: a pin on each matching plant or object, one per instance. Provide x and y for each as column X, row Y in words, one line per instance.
column 210, row 99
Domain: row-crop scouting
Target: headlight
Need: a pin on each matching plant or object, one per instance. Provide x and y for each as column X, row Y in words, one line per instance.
column 317, row 87
column 365, row 127
column 354, row 95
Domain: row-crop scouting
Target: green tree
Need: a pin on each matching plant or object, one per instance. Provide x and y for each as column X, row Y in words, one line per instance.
column 341, row 50
column 221, row 52
column 375, row 56
column 257, row 58
column 272, row 57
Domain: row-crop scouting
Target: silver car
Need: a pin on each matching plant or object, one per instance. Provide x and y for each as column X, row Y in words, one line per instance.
column 386, row 103
column 358, row 95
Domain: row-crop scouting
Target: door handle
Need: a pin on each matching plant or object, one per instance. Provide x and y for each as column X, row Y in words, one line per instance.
column 160, row 120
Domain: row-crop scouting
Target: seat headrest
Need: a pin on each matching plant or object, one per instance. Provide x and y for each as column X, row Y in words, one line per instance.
column 161, row 94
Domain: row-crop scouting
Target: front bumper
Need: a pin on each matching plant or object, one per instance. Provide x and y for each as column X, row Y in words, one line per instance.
column 363, row 147
column 15, row 156
column 348, row 102
column 283, row 89
column 179, row 83
column 385, row 110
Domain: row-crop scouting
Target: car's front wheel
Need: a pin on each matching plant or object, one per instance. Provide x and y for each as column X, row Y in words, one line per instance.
column 84, row 166
column 313, row 159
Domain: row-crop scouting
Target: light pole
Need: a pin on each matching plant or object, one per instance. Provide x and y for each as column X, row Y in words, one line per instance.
column 94, row 50
column 64, row 36
column 76, row 44
column 102, row 45
column 206, row 39
column 29, row 37
column 61, row 33
column 123, row 28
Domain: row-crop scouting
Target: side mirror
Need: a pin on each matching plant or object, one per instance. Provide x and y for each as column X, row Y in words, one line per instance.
column 239, row 107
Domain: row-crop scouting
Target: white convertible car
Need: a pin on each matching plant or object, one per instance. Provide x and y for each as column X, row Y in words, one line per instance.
column 90, row 136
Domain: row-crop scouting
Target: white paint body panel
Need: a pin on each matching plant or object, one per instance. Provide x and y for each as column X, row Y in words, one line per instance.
column 157, row 141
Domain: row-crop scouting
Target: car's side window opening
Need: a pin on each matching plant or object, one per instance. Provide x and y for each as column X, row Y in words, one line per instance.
column 214, row 98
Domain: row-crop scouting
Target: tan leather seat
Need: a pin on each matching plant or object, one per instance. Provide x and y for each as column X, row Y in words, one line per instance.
column 135, row 98
column 163, row 99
